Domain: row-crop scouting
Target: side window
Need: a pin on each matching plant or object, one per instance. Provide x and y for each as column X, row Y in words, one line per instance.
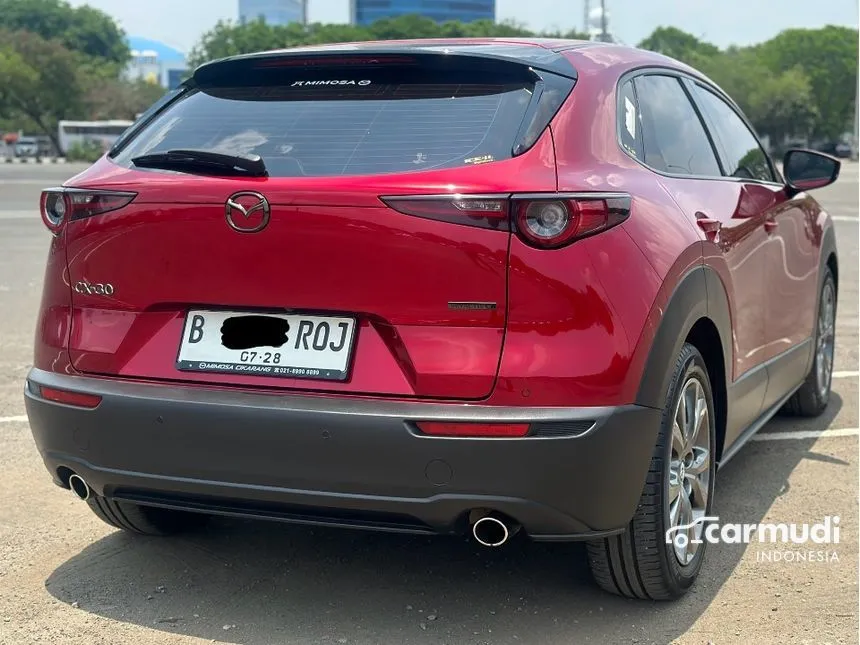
column 629, row 122
column 673, row 135
column 741, row 152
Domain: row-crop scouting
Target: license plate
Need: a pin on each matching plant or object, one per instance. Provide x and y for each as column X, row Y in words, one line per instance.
column 281, row 345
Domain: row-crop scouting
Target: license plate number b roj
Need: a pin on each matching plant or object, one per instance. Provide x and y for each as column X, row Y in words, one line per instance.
column 266, row 344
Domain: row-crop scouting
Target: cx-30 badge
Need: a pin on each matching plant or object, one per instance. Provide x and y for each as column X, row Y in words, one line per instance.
column 248, row 212
column 98, row 289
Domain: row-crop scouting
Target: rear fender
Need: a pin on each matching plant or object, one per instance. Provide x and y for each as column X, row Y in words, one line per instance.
column 699, row 294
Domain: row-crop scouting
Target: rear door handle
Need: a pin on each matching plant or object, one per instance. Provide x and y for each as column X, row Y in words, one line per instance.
column 770, row 225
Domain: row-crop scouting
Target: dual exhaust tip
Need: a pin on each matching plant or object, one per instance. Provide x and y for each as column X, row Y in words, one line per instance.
column 492, row 529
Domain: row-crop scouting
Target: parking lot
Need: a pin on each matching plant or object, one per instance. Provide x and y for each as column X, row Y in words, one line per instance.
column 67, row 578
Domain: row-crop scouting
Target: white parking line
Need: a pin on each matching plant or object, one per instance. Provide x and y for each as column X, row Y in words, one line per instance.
column 806, row 434
column 846, row 374
column 844, row 218
column 20, row 419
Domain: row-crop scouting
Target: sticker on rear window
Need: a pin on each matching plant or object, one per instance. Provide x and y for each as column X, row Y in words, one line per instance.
column 630, row 117
column 481, row 159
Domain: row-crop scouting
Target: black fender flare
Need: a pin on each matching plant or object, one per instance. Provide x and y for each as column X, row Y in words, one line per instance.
column 699, row 294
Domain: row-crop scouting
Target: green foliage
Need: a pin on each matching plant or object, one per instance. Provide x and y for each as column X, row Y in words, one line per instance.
column 39, row 79
column 88, row 151
column 229, row 39
column 828, row 57
column 82, row 29
column 677, row 44
column 112, row 98
column 801, row 83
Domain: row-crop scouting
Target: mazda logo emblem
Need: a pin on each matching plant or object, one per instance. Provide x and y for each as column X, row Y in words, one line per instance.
column 248, row 212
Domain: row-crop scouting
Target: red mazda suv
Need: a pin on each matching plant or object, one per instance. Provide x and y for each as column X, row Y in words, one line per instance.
column 477, row 287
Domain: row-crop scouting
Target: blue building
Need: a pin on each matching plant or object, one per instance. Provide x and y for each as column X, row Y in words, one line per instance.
column 364, row 12
column 274, row 12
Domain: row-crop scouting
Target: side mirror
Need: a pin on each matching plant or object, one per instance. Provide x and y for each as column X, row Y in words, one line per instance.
column 807, row 170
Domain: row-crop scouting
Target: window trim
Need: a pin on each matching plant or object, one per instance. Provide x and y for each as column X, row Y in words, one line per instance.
column 682, row 76
column 743, row 119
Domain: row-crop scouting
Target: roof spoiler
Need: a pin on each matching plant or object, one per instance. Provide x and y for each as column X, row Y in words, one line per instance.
column 499, row 58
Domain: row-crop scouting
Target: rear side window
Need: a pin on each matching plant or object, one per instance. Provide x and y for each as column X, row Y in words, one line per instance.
column 742, row 155
column 674, row 138
column 346, row 126
column 629, row 122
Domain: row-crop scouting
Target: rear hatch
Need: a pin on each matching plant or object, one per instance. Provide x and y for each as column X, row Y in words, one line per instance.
column 318, row 274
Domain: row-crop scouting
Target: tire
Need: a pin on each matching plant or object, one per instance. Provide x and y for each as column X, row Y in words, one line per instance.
column 811, row 399
column 144, row 520
column 639, row 563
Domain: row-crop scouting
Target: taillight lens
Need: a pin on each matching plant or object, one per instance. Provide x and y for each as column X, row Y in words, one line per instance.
column 484, row 211
column 54, row 209
column 550, row 223
column 542, row 220
column 475, row 430
column 61, row 205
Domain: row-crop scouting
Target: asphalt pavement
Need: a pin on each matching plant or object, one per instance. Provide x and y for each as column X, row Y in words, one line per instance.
column 67, row 578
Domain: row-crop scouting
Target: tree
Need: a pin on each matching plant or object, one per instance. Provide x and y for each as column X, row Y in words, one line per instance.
column 39, row 79
column 678, row 44
column 828, row 57
column 84, row 29
column 113, row 98
column 784, row 106
column 230, row 39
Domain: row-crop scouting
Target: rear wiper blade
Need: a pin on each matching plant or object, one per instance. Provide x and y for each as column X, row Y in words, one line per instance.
column 204, row 161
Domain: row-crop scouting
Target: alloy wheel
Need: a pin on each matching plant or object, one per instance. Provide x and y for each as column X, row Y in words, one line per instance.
column 825, row 341
column 689, row 469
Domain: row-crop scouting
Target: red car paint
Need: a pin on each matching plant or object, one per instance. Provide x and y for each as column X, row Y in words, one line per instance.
column 572, row 326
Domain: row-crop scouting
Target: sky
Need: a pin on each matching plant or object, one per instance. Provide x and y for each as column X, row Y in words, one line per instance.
column 180, row 23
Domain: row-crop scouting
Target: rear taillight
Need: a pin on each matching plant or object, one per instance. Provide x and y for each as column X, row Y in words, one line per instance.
column 485, row 211
column 54, row 209
column 61, row 205
column 542, row 220
column 550, row 222
column 475, row 430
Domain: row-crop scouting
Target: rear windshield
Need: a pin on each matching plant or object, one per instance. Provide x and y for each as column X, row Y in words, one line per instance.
column 345, row 126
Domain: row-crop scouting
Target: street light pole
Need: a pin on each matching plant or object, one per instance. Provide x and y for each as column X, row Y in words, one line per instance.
column 305, row 12
column 603, row 21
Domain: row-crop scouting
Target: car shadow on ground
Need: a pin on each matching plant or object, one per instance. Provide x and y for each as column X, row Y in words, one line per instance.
column 274, row 583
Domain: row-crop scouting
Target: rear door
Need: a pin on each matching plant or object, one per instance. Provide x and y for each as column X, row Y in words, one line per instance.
column 788, row 226
column 730, row 222
column 320, row 275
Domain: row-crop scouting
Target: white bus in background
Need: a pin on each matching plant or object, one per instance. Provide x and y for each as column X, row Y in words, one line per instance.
column 102, row 132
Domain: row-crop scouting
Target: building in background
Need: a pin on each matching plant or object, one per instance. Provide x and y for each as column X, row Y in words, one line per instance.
column 273, row 12
column 155, row 62
column 364, row 12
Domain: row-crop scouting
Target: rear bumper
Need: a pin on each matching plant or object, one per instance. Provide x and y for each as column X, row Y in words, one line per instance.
column 345, row 461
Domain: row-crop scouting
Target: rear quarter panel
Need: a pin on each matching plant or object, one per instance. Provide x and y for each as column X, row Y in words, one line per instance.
column 582, row 318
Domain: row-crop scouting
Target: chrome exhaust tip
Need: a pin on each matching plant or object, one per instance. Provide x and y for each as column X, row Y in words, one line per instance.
column 79, row 487
column 491, row 531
